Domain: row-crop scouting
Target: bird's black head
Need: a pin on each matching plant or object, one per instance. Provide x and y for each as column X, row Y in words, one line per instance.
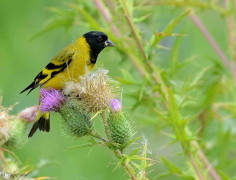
column 97, row 41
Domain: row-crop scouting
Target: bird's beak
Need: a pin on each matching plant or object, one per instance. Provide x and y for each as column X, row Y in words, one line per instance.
column 109, row 43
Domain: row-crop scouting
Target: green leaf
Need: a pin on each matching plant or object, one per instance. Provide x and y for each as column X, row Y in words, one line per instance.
column 127, row 78
column 142, row 18
column 173, row 108
column 225, row 176
column 130, row 6
column 91, row 20
column 82, row 146
column 198, row 78
column 135, row 151
column 174, row 56
column 62, row 19
column 172, row 168
column 169, row 28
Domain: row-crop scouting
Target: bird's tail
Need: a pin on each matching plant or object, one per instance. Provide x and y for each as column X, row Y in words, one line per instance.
column 42, row 122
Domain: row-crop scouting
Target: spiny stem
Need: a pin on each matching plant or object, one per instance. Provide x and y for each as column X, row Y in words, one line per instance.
column 205, row 162
column 231, row 36
column 231, row 25
column 211, row 40
column 133, row 29
column 117, row 152
column 107, row 16
column 127, row 166
column 97, row 136
column 155, row 76
column 2, row 157
column 138, row 41
column 105, row 123
column 195, row 166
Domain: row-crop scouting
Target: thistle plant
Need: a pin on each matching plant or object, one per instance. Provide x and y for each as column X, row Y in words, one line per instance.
column 5, row 125
column 75, row 121
column 81, row 103
column 176, row 61
column 13, row 129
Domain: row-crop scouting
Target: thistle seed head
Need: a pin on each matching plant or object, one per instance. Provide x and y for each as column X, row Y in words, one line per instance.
column 5, row 123
column 94, row 91
column 12, row 129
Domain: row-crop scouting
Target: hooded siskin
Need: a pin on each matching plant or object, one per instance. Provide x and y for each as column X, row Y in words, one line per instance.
column 68, row 65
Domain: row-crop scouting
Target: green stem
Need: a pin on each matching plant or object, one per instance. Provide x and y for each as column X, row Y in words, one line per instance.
column 97, row 136
column 105, row 12
column 211, row 40
column 195, row 167
column 207, row 165
column 126, row 165
column 133, row 29
column 107, row 130
column 135, row 33
column 117, row 152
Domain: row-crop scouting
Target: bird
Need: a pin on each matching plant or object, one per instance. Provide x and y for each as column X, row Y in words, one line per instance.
column 69, row 64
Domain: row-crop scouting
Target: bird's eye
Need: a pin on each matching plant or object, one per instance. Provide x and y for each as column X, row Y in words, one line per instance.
column 99, row 38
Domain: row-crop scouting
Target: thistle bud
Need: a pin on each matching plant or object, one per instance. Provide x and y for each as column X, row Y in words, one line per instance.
column 75, row 121
column 120, row 127
column 115, row 105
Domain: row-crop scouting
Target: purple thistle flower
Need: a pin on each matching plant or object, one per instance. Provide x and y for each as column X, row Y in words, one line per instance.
column 50, row 99
column 115, row 105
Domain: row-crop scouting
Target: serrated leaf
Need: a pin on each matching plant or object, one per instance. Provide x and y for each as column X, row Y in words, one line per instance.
column 198, row 78
column 174, row 56
column 172, row 136
column 169, row 28
column 141, row 92
column 173, row 108
column 127, row 78
column 87, row 16
column 142, row 18
column 173, row 169
column 62, row 19
column 135, row 152
column 224, row 176
column 133, row 140
column 162, row 175
column 82, row 146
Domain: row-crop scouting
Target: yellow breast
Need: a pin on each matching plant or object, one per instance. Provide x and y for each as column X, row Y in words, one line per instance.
column 79, row 65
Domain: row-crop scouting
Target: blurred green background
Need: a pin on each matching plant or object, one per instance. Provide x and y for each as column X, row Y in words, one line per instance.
column 22, row 58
